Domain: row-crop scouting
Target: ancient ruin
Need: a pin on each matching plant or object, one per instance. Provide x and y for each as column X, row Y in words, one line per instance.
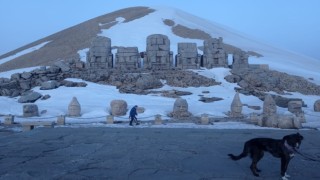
column 188, row 57
column 118, row 107
column 74, row 108
column 127, row 58
column 158, row 54
column 180, row 109
column 269, row 112
column 99, row 55
column 213, row 54
column 236, row 107
column 137, row 72
column 240, row 61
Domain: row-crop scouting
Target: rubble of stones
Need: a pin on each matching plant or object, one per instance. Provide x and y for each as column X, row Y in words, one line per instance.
column 257, row 82
column 137, row 72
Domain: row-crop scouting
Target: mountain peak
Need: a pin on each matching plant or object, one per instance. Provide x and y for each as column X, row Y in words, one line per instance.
column 131, row 26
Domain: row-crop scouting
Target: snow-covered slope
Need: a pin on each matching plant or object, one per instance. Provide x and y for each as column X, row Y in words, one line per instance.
column 134, row 33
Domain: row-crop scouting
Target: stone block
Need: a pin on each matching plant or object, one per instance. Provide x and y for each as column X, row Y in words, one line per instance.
column 29, row 125
column 61, row 120
column 204, row 119
column 30, row 110
column 110, row 119
column 9, row 119
column 158, row 120
column 286, row 122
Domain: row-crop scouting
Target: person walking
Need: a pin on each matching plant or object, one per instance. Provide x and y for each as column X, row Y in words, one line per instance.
column 133, row 114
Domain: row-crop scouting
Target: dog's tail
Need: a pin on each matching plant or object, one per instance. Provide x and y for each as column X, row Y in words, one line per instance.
column 242, row 155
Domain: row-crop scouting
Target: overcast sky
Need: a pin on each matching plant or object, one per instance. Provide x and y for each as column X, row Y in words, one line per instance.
column 289, row 24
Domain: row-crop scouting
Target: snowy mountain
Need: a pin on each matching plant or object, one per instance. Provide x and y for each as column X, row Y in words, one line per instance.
column 130, row 27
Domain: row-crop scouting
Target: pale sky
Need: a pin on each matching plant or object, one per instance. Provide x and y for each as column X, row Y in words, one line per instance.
column 289, row 24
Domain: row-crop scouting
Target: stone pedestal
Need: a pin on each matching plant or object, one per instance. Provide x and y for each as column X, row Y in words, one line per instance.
column 61, row 120
column 204, row 119
column 9, row 119
column 110, row 119
column 158, row 120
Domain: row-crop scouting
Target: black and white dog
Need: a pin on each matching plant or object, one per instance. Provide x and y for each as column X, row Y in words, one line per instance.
column 281, row 148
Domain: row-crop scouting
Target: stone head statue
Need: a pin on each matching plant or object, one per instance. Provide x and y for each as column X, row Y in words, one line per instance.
column 180, row 109
column 118, row 107
column 180, row 105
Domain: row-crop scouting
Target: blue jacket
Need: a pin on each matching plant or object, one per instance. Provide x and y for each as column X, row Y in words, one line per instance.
column 133, row 111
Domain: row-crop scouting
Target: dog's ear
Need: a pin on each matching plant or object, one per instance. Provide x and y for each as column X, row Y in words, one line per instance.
column 300, row 136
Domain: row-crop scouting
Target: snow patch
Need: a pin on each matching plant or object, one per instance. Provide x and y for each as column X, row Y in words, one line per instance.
column 26, row 51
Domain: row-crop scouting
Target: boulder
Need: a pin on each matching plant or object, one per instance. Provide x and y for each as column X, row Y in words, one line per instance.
column 26, row 75
column 62, row 65
column 49, row 85
column 30, row 97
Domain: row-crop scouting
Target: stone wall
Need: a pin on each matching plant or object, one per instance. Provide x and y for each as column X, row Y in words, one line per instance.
column 188, row 57
column 127, row 58
column 214, row 55
column 99, row 55
column 240, row 61
column 158, row 54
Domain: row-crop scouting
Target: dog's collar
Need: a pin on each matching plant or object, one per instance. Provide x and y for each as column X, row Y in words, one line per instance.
column 289, row 148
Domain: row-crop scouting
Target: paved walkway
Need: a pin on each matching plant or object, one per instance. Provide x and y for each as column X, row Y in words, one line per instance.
column 144, row 153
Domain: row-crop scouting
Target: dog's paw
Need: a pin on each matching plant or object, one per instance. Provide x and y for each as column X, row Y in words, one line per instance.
column 287, row 175
column 284, row 178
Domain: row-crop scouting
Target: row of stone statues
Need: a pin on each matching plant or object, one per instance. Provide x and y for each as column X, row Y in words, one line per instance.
column 268, row 118
column 159, row 56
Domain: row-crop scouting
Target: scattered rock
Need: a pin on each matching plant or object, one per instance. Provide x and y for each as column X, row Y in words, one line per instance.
column 45, row 97
column 49, row 85
column 210, row 99
column 30, row 97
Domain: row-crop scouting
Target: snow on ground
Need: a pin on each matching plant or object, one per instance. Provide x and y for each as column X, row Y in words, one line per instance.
column 95, row 104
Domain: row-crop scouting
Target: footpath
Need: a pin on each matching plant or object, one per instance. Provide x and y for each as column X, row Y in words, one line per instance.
column 145, row 153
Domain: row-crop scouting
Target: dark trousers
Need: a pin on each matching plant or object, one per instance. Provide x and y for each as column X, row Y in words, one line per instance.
column 133, row 119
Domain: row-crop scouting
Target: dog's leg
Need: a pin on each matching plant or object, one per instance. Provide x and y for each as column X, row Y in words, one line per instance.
column 259, row 157
column 284, row 165
column 253, row 168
